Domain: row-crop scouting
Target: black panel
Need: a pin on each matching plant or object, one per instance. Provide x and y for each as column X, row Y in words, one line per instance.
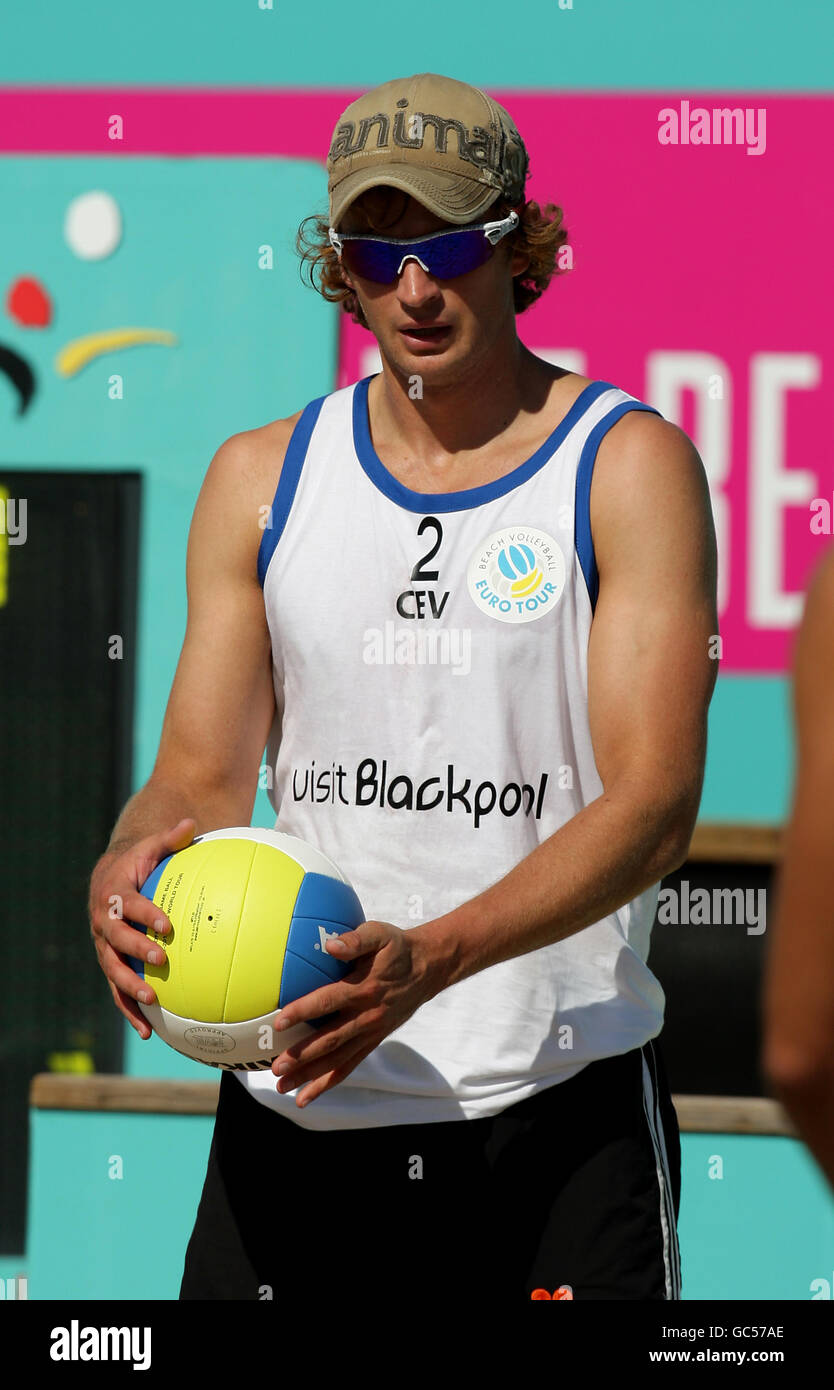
column 711, row 974
column 66, row 725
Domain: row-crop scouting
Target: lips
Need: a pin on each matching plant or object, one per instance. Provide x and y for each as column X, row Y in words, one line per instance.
column 418, row 333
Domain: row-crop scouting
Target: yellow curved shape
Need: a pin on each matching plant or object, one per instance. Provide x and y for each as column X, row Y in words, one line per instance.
column 76, row 354
column 526, row 586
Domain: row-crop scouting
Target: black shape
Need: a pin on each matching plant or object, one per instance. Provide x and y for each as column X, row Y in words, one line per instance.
column 21, row 375
column 66, row 726
column 712, row 978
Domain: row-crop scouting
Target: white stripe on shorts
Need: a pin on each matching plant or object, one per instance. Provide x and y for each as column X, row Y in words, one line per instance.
column 671, row 1250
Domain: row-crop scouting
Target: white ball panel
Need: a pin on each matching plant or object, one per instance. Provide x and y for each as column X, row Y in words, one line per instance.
column 215, row 1043
column 311, row 859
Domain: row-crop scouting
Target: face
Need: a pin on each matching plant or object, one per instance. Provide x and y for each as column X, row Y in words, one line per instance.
column 475, row 309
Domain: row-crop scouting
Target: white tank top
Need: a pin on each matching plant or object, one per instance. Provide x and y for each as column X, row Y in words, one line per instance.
column 430, row 668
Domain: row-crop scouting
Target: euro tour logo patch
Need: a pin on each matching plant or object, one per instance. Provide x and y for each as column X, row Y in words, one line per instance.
column 517, row 574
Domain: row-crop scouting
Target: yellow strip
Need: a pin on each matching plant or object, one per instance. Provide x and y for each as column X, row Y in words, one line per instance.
column 526, row 586
column 76, row 354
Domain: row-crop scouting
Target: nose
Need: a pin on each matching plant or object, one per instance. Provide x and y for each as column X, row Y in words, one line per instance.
column 416, row 286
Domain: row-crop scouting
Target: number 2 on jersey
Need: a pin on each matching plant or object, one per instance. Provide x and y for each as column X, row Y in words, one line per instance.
column 411, row 603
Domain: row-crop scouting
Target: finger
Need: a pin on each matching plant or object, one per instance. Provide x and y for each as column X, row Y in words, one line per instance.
column 342, row 945
column 128, row 941
column 327, row 1000
column 136, row 907
column 158, row 846
column 368, row 936
column 343, row 1029
column 121, row 901
column 316, row 1088
column 122, row 975
column 147, row 854
column 298, row 1054
column 325, row 1066
column 131, row 1011
column 335, row 1072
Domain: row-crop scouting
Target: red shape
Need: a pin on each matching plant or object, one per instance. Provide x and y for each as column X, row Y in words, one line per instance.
column 29, row 303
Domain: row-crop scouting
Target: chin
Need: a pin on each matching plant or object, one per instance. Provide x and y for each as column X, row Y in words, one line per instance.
column 428, row 360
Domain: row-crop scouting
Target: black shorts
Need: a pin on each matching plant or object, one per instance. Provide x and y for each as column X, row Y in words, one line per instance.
column 576, row 1186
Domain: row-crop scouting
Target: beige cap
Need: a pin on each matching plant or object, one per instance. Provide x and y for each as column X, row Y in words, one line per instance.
column 449, row 145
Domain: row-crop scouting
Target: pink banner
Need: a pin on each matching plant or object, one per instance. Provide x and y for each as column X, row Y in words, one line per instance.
column 701, row 228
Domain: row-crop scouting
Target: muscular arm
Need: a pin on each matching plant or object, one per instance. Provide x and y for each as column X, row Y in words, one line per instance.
column 650, row 680
column 798, row 1055
column 222, row 702
column 219, row 711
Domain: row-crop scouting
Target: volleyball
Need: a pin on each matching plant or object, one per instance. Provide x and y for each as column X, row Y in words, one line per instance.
column 250, row 911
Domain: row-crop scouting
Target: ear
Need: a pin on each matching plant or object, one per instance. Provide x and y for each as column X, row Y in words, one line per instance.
column 346, row 278
column 518, row 263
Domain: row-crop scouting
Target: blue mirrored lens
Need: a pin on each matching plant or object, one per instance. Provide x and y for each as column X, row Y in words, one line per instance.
column 452, row 254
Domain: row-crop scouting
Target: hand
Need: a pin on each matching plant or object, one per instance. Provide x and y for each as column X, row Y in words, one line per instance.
column 114, row 896
column 392, row 977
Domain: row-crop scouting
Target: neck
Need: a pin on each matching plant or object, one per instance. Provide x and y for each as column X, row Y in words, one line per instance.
column 463, row 411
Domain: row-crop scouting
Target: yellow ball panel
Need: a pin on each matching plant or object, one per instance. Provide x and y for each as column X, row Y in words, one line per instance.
column 202, row 891
column 266, row 915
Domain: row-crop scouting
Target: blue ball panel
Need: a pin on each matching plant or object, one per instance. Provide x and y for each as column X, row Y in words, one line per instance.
column 328, row 898
column 149, row 886
column 298, row 978
column 305, row 941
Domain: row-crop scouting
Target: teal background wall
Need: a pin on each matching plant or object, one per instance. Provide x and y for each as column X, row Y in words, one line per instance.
column 596, row 44
column 253, row 347
column 764, row 1230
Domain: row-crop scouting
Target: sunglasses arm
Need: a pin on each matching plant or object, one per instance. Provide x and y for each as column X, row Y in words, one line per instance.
column 494, row 231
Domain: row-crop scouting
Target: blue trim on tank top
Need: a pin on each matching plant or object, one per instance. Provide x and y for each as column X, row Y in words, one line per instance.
column 288, row 483
column 582, row 498
column 467, row 497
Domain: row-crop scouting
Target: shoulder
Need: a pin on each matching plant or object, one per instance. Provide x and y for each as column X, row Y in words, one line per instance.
column 255, row 455
column 650, row 502
column 239, row 487
column 644, row 441
column 646, row 466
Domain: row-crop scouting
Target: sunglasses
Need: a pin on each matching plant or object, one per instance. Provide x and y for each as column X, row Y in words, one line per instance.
column 443, row 254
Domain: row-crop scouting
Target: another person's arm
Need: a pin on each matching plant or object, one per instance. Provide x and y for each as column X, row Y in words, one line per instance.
column 798, row 1053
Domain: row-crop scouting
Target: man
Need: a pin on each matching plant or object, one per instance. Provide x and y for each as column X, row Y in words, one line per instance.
column 505, row 788
column 798, row 1051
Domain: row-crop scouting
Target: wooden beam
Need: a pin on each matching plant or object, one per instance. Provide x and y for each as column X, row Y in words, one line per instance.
column 732, row 1115
column 141, row 1095
column 150, row 1095
column 722, row 842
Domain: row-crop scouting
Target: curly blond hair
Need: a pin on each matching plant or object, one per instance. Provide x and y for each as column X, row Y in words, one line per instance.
column 539, row 235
